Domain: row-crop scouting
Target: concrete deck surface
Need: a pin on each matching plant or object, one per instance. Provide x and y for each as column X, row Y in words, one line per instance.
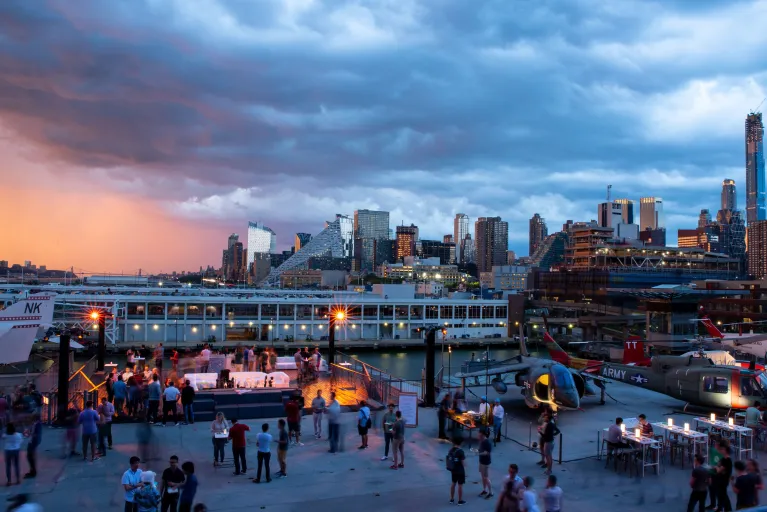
column 357, row 479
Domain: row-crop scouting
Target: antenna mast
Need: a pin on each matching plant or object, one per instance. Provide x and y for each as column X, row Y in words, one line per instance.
column 608, row 192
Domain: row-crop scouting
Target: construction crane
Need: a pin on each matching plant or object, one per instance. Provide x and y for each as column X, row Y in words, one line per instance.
column 759, row 105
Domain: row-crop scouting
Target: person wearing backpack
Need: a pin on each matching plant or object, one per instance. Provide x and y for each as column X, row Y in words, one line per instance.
column 454, row 464
column 363, row 424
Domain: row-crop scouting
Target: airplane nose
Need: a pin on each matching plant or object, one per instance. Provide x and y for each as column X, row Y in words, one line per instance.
column 567, row 398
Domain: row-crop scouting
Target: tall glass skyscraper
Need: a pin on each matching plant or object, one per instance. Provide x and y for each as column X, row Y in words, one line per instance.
column 460, row 230
column 370, row 226
column 756, row 188
column 651, row 213
column 729, row 195
column 260, row 239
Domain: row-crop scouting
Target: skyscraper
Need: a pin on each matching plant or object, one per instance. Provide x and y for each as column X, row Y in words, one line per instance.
column 729, row 195
column 233, row 260
column 538, row 231
column 369, row 227
column 651, row 213
column 460, row 230
column 406, row 238
column 492, row 242
column 261, row 239
column 756, row 188
column 301, row 240
column 627, row 210
column 757, row 249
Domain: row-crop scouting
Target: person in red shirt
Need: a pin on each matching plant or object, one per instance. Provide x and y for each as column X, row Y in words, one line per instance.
column 237, row 435
column 293, row 413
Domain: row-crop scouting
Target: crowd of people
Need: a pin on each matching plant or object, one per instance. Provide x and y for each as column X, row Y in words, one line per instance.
column 20, row 423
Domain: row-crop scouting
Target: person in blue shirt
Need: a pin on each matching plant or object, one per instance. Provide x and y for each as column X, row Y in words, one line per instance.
column 35, row 437
column 363, row 424
column 188, row 487
column 264, row 453
column 89, row 419
column 120, row 390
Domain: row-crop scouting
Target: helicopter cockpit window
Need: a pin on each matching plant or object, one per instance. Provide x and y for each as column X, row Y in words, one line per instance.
column 562, row 377
column 750, row 387
column 715, row 385
column 761, row 381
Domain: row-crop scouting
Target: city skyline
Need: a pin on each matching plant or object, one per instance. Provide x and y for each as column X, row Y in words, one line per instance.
column 155, row 171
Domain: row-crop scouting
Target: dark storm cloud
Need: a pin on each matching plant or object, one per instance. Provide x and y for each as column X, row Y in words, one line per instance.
column 201, row 102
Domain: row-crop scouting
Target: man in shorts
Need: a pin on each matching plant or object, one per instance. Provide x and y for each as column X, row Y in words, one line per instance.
column 485, row 447
column 293, row 413
column 458, row 473
column 548, row 433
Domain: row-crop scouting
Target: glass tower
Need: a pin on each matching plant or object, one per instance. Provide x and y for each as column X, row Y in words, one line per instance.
column 261, row 239
column 729, row 195
column 460, row 230
column 756, row 189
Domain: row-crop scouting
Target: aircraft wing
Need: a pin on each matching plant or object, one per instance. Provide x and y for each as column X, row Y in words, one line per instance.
column 498, row 370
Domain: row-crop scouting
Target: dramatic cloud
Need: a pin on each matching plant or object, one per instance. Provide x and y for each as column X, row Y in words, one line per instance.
column 215, row 112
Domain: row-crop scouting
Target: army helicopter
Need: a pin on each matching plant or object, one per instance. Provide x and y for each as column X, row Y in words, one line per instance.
column 695, row 380
column 542, row 381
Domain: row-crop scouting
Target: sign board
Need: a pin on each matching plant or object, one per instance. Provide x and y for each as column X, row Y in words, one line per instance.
column 408, row 406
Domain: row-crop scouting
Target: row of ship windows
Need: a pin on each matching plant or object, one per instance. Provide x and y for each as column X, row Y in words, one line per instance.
column 307, row 311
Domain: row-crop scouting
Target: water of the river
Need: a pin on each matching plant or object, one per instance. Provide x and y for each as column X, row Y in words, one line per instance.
column 402, row 363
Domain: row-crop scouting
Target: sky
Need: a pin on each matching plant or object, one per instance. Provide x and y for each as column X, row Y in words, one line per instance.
column 139, row 134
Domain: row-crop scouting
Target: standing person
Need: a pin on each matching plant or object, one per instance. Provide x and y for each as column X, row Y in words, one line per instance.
column 147, row 497
column 102, row 433
column 529, row 496
column 744, row 487
column 398, row 441
column 454, row 461
column 498, row 413
column 73, row 426
column 318, row 407
column 217, row 429
column 89, row 419
column 174, row 360
column 170, row 494
column 484, row 451
column 552, row 495
column 188, row 488
column 35, row 438
column 11, row 445
column 444, row 408
column 154, row 399
column 293, row 414
column 205, row 359
column 251, row 359
column 723, row 475
column 264, row 454
column 237, row 435
column 108, row 410
column 121, row 393
column 363, row 424
column 753, row 469
column 187, row 402
column 698, row 485
column 508, row 500
column 159, row 355
column 131, row 482
column 513, row 477
column 246, row 359
column 283, row 440
column 299, row 360
column 388, row 422
column 109, row 384
column 484, row 410
column 548, row 433
column 541, row 424
column 334, row 423
column 131, row 359
column 170, row 403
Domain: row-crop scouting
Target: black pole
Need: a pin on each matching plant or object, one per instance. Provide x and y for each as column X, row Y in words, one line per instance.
column 63, row 391
column 102, row 347
column 332, row 343
column 431, row 342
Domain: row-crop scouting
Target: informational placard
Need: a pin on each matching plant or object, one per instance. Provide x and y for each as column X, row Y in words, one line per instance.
column 408, row 406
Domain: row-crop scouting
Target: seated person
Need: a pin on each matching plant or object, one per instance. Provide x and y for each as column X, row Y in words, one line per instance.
column 647, row 430
column 614, row 435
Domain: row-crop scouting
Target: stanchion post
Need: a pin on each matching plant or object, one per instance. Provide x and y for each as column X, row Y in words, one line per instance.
column 530, row 437
column 560, row 448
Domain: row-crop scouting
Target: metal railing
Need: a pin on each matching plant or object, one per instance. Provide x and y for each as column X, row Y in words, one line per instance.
column 381, row 386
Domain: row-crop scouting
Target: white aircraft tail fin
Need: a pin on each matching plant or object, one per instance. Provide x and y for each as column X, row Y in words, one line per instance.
column 19, row 324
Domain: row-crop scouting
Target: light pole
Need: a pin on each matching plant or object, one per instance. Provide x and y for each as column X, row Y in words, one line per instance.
column 336, row 317
column 449, row 364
